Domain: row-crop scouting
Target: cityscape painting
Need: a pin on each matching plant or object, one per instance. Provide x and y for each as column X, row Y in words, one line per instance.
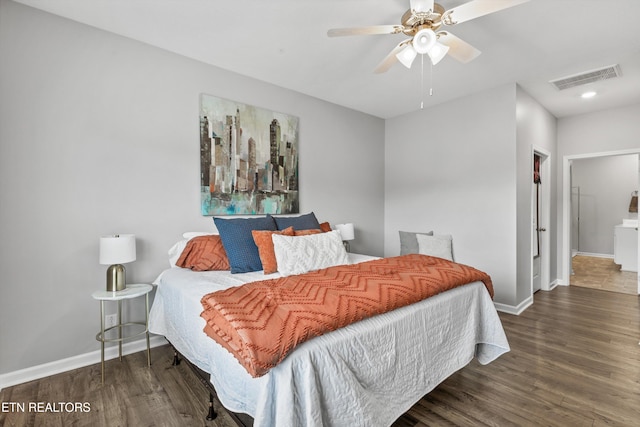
column 248, row 159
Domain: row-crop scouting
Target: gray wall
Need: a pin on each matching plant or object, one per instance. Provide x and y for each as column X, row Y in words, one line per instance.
column 464, row 168
column 536, row 127
column 99, row 134
column 606, row 184
column 452, row 169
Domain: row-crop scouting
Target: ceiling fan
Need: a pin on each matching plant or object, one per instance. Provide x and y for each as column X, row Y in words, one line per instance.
column 421, row 22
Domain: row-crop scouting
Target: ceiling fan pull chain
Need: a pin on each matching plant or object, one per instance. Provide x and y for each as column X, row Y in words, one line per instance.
column 431, row 80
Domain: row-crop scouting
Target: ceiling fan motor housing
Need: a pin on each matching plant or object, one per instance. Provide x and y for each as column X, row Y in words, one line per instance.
column 414, row 21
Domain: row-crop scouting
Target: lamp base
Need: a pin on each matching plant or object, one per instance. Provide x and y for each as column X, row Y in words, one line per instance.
column 115, row 278
column 346, row 245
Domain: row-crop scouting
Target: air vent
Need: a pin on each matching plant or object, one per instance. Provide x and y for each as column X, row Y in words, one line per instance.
column 605, row 73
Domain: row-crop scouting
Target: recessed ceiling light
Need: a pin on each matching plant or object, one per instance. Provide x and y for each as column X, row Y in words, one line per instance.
column 587, row 95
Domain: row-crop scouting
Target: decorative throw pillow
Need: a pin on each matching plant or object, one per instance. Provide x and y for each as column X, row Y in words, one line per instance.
column 325, row 227
column 300, row 222
column 297, row 255
column 439, row 246
column 409, row 243
column 262, row 239
column 238, row 241
column 307, row 232
column 204, row 253
column 176, row 250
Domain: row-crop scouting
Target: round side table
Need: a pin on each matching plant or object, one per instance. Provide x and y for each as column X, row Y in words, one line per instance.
column 130, row 292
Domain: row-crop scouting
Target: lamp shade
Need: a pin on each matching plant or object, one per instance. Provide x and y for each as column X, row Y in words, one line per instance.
column 346, row 231
column 437, row 52
column 117, row 249
column 407, row 55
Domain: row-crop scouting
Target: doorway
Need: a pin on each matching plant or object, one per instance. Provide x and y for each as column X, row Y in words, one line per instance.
column 569, row 205
column 540, row 219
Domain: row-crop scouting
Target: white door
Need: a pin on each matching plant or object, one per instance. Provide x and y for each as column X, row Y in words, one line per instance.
column 537, row 279
column 540, row 216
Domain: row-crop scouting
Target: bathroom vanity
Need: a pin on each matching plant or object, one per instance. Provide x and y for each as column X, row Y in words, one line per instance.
column 625, row 245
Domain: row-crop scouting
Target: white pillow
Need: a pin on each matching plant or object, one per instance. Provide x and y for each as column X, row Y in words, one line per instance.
column 191, row 234
column 438, row 246
column 409, row 243
column 300, row 254
column 176, row 250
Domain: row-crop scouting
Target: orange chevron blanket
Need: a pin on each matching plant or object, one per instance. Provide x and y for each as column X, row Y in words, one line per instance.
column 261, row 322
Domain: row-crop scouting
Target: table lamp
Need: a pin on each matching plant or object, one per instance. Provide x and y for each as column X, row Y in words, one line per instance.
column 117, row 250
column 347, row 233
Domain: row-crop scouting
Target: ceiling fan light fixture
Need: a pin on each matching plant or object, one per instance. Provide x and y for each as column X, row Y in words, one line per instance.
column 407, row 55
column 424, row 40
column 437, row 52
column 420, row 21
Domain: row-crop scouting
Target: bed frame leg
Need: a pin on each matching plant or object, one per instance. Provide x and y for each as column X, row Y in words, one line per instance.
column 176, row 359
column 212, row 413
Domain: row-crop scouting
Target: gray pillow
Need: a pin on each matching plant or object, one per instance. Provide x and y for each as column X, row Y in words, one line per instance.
column 439, row 246
column 409, row 243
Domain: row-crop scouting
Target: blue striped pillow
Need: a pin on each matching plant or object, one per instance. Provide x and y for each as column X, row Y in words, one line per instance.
column 238, row 243
column 299, row 222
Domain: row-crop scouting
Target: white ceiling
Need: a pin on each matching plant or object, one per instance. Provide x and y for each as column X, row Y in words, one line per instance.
column 284, row 42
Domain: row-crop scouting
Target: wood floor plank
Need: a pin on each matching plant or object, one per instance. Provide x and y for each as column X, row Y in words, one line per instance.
column 20, row 394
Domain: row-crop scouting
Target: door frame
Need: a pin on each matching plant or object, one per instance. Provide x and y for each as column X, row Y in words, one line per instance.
column 566, row 208
column 545, row 218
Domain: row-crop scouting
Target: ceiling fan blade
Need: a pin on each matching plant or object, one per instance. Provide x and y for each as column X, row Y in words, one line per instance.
column 475, row 9
column 365, row 31
column 458, row 48
column 421, row 5
column 391, row 58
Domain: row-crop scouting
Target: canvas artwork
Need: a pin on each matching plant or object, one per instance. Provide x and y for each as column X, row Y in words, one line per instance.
column 248, row 159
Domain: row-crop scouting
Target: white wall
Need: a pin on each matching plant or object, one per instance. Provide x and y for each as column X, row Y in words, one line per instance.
column 612, row 130
column 452, row 169
column 100, row 134
column 606, row 184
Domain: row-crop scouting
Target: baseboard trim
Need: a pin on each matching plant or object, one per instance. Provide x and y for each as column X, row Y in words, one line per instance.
column 510, row 309
column 74, row 362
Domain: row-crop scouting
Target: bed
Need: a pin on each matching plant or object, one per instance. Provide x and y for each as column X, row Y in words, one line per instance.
column 365, row 374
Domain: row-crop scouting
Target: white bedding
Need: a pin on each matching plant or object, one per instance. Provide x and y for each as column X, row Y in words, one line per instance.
column 366, row 374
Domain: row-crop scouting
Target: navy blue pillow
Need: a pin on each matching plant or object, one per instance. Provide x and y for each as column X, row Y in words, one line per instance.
column 300, row 222
column 238, row 243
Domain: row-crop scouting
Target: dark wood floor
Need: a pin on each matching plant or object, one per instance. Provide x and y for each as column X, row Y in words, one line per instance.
column 575, row 361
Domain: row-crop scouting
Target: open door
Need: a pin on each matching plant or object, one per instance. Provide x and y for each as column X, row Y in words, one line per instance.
column 540, row 217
